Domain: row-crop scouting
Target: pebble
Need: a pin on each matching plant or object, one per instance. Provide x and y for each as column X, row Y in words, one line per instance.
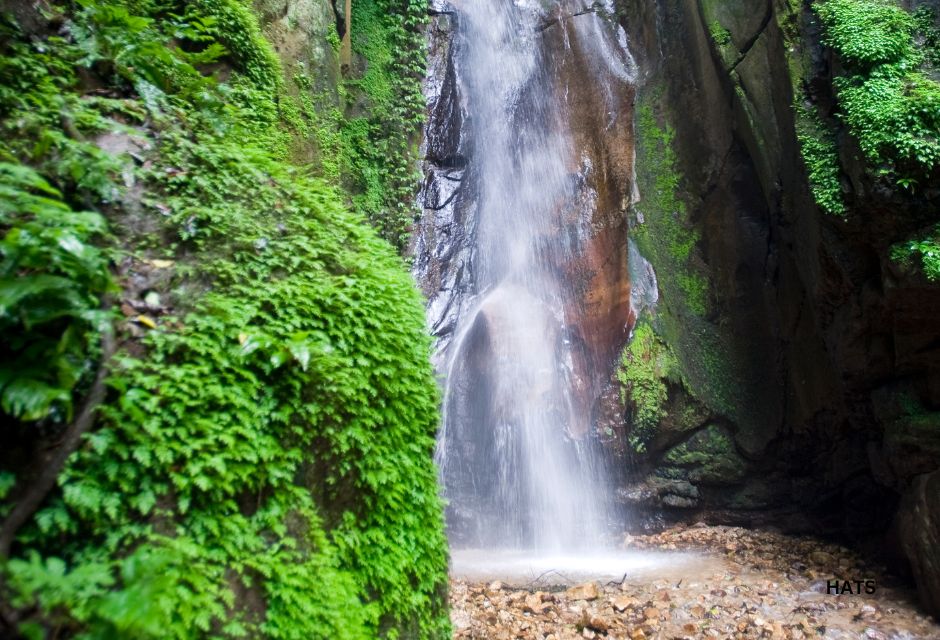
column 768, row 588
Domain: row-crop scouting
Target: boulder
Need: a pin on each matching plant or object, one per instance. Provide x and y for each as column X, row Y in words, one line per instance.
column 918, row 524
column 710, row 456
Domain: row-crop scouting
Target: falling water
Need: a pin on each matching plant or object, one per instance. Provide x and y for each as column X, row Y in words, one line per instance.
column 515, row 450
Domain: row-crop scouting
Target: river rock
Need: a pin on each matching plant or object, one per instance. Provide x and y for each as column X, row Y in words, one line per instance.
column 536, row 603
column 592, row 622
column 622, row 603
column 586, row 591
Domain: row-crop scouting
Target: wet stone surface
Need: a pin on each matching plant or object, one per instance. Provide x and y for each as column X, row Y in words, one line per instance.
column 762, row 585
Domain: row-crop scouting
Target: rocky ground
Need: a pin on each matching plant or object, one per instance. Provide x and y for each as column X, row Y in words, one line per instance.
column 757, row 585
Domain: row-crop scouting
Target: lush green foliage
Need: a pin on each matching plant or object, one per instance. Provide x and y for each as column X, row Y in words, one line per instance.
column 262, row 467
column 719, row 34
column 821, row 155
column 665, row 235
column 645, row 365
column 378, row 149
column 928, row 249
column 51, row 282
column 131, row 597
column 928, row 33
column 896, row 117
column 887, row 99
column 867, row 32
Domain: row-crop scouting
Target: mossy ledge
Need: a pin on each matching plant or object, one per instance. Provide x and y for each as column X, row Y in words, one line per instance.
column 261, row 464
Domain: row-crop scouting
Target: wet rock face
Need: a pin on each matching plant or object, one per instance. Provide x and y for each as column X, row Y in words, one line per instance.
column 522, row 252
column 919, row 527
column 593, row 228
column 298, row 30
column 442, row 243
column 600, row 117
column 831, row 346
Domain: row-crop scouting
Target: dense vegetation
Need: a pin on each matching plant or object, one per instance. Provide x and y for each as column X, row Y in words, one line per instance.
column 260, row 464
column 890, row 101
column 372, row 151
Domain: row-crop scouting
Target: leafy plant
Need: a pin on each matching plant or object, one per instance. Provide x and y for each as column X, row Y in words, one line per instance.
column 887, row 100
column 719, row 34
column 888, row 97
column 52, row 279
column 928, row 33
column 821, row 156
column 928, row 249
column 866, row 33
column 264, row 454
column 380, row 151
column 131, row 597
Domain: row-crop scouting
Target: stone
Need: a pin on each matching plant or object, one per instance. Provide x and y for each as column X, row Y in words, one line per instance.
column 918, row 525
column 592, row 622
column 585, row 591
column 622, row 603
column 536, row 604
column 711, row 457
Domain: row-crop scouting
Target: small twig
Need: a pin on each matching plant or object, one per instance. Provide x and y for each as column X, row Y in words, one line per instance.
column 619, row 584
column 545, row 573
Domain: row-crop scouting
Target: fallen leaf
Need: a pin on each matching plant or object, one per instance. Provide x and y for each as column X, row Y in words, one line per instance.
column 146, row 321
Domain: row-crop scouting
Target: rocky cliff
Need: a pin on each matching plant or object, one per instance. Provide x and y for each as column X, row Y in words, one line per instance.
column 783, row 372
column 806, row 357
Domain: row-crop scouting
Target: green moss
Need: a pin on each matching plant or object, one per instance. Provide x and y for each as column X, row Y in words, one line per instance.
column 895, row 114
column 709, row 457
column 645, row 366
column 926, row 247
column 665, row 236
column 887, row 96
column 927, row 33
column 867, row 32
column 262, row 465
column 332, row 38
column 667, row 239
column 379, row 152
column 236, row 28
column 719, row 34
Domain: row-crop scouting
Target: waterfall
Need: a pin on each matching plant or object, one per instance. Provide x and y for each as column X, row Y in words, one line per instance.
column 517, row 454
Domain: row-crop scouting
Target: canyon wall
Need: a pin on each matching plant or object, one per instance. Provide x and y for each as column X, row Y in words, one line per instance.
column 807, row 358
column 774, row 366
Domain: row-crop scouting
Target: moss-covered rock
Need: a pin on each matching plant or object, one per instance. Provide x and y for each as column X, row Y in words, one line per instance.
column 709, row 457
column 261, row 465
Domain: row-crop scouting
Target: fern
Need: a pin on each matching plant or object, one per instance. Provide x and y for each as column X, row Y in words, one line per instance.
column 51, row 283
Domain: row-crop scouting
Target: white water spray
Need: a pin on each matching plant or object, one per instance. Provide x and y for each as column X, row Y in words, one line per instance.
column 515, row 449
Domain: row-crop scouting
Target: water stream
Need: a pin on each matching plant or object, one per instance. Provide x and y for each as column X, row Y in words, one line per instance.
column 519, row 463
